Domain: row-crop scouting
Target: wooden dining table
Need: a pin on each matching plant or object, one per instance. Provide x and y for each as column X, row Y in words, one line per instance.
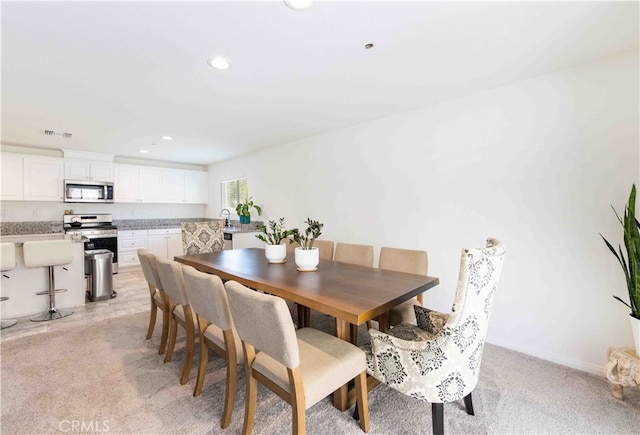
column 350, row 293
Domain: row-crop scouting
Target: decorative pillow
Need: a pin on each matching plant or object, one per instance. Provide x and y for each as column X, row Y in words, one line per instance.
column 202, row 237
column 429, row 320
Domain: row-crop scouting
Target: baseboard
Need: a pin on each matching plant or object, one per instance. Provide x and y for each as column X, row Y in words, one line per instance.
column 568, row 362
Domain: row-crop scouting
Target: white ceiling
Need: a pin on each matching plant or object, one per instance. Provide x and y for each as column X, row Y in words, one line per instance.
column 118, row 75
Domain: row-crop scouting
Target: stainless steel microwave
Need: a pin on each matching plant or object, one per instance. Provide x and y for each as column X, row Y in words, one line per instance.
column 88, row 191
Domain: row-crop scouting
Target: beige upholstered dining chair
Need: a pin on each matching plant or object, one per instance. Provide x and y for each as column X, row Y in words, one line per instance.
column 361, row 255
column 438, row 361
column 202, row 237
column 208, row 298
column 301, row 366
column 157, row 297
column 408, row 261
column 170, row 273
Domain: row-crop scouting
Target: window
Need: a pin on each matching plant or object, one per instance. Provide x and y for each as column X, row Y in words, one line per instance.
column 234, row 192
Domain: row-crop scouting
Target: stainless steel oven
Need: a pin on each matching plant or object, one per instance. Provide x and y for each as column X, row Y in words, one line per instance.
column 97, row 230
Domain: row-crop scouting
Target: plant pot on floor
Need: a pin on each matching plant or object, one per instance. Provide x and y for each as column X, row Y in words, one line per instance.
column 635, row 328
column 275, row 253
column 245, row 219
column 307, row 259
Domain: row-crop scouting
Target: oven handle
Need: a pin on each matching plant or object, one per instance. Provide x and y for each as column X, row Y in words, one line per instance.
column 105, row 236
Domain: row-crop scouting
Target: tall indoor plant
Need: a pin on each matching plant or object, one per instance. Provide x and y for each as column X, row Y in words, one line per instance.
column 243, row 210
column 272, row 236
column 630, row 265
column 307, row 256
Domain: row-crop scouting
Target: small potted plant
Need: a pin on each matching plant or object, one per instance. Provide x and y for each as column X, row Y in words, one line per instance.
column 307, row 256
column 272, row 236
column 630, row 266
column 244, row 210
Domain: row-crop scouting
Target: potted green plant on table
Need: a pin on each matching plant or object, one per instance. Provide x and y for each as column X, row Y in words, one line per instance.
column 630, row 265
column 243, row 210
column 307, row 256
column 272, row 236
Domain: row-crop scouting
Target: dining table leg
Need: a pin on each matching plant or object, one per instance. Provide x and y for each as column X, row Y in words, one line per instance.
column 341, row 395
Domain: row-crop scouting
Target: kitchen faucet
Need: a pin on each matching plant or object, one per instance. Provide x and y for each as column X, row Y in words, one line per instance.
column 228, row 216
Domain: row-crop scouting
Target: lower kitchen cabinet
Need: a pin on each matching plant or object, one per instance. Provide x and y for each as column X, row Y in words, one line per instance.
column 165, row 243
column 128, row 244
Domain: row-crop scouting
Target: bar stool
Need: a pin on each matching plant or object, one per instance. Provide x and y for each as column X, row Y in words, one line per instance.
column 7, row 262
column 48, row 253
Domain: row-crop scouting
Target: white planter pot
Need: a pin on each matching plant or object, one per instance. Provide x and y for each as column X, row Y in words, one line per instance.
column 635, row 328
column 307, row 259
column 275, row 253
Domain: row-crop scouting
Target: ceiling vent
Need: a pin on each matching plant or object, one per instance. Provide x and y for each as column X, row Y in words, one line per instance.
column 55, row 133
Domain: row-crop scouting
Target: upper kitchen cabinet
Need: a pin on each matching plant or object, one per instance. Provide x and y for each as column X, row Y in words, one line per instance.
column 137, row 184
column 43, row 179
column 12, row 178
column 186, row 187
column 88, row 170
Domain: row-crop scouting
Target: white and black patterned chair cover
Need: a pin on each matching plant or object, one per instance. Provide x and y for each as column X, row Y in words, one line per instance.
column 202, row 237
column 439, row 360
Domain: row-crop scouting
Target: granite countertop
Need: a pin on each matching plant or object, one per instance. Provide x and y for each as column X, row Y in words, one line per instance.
column 55, row 227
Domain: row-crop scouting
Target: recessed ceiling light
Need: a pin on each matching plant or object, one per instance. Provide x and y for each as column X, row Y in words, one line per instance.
column 144, row 151
column 167, row 138
column 298, row 5
column 218, row 63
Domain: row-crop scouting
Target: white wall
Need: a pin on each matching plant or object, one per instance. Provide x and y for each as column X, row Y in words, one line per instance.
column 536, row 164
column 30, row 211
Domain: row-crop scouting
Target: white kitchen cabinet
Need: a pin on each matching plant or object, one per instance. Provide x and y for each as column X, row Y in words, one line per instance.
column 195, row 184
column 43, row 179
column 12, row 178
column 129, row 241
column 88, row 170
column 165, row 243
column 186, row 187
column 172, row 185
column 137, row 184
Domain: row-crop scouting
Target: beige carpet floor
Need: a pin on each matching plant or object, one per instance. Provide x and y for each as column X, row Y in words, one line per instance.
column 105, row 377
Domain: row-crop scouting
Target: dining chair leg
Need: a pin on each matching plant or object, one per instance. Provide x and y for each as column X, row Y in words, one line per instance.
column 166, row 320
column 173, row 332
column 232, row 378
column 437, row 418
column 152, row 318
column 468, row 404
column 251, row 389
column 362, row 401
column 297, row 401
column 190, row 345
column 203, row 361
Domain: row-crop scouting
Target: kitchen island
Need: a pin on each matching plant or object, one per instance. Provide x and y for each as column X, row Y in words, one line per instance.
column 21, row 284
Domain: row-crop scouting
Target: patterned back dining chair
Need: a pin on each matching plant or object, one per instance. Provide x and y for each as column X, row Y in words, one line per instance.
column 202, row 237
column 438, row 361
